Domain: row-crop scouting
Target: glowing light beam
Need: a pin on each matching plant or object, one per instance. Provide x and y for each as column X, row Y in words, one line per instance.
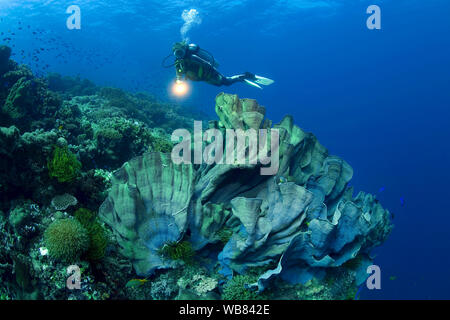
column 180, row 88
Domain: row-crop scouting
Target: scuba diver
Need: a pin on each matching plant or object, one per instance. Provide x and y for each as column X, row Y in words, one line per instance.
column 197, row 64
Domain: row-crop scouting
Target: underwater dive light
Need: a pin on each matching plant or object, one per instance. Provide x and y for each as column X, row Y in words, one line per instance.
column 180, row 88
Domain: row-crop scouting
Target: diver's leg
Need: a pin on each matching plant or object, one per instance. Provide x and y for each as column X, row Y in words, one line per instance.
column 214, row 77
column 238, row 78
column 217, row 79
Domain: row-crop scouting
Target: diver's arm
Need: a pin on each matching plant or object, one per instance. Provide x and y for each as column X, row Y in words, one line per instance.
column 179, row 76
column 179, row 70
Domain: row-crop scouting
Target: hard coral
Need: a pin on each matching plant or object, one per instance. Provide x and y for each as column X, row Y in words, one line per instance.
column 296, row 229
column 236, row 289
column 21, row 98
column 66, row 240
column 64, row 201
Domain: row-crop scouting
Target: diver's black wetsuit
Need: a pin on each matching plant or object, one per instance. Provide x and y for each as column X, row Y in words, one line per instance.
column 198, row 65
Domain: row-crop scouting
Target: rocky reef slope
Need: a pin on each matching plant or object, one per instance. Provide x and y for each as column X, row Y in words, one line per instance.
column 87, row 179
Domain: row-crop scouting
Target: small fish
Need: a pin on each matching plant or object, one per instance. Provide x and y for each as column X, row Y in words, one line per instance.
column 402, row 201
column 133, row 283
column 381, row 189
column 282, row 180
column 392, row 278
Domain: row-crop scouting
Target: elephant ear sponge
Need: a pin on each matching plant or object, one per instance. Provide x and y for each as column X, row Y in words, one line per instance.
column 66, row 240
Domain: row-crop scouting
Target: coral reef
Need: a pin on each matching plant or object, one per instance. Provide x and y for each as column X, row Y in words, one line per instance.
column 294, row 230
column 199, row 284
column 69, row 87
column 236, row 289
column 86, row 177
column 60, row 139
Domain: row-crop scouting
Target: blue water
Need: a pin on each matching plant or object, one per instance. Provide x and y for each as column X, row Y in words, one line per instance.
column 380, row 99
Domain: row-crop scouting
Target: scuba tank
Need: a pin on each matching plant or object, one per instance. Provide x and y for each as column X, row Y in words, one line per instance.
column 203, row 54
